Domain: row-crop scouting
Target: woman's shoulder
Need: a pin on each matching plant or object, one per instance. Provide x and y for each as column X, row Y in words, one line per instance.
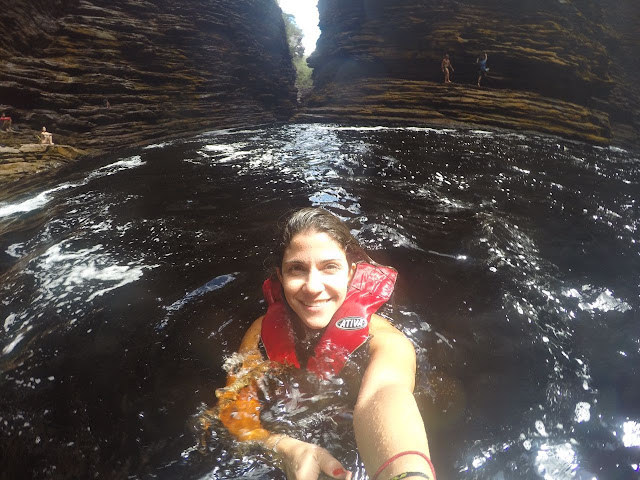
column 379, row 323
column 385, row 331
column 388, row 345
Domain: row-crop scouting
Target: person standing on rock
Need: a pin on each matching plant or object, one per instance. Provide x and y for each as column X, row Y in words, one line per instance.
column 446, row 65
column 46, row 138
column 482, row 67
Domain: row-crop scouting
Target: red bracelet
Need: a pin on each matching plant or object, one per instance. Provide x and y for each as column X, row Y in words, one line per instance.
column 398, row 455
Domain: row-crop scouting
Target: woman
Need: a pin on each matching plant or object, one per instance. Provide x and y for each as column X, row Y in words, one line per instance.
column 325, row 283
column 446, row 66
column 46, row 138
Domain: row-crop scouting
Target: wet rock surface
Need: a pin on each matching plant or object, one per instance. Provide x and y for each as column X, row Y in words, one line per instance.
column 22, row 155
column 560, row 67
column 165, row 68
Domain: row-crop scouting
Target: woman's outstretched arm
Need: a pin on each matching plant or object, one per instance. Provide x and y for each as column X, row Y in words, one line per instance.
column 386, row 419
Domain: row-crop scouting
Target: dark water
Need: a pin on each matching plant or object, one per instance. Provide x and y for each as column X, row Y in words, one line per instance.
column 126, row 283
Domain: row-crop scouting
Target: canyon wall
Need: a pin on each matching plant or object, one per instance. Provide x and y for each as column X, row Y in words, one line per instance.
column 566, row 67
column 165, row 68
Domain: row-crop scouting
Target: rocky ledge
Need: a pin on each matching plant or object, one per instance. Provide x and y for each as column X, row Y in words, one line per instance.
column 567, row 67
column 19, row 156
column 165, row 68
column 418, row 102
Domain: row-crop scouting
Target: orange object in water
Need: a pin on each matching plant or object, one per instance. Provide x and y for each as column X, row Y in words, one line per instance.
column 238, row 403
column 240, row 413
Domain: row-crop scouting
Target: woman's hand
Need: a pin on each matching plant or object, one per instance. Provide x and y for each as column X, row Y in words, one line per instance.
column 305, row 461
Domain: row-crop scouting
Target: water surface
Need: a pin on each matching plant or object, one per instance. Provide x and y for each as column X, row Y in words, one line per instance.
column 127, row 280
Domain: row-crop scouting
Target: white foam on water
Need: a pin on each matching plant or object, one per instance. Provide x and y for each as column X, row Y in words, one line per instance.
column 483, row 133
column 43, row 198
column 220, row 148
column 572, row 293
column 240, row 155
column 33, row 203
column 9, row 348
column 631, row 435
column 617, row 149
column 582, row 412
column 557, row 462
column 117, row 274
column 14, row 250
column 361, row 129
column 10, row 320
column 106, row 226
column 540, row 428
column 336, row 197
column 157, row 145
column 113, row 168
column 432, row 130
column 88, row 273
column 590, row 299
column 225, row 153
column 387, row 234
column 605, row 302
column 477, row 462
column 212, row 285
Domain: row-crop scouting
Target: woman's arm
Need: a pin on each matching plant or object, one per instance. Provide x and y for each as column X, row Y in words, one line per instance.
column 386, row 418
column 241, row 416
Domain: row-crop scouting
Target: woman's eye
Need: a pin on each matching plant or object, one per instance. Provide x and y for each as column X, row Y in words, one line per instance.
column 332, row 267
column 296, row 269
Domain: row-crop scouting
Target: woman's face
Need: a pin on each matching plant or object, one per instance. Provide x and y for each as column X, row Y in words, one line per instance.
column 315, row 275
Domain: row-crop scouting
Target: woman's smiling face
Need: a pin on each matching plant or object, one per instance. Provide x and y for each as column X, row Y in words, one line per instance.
column 315, row 276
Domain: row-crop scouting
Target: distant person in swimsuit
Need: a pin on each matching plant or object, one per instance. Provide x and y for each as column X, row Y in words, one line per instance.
column 326, row 286
column 46, row 138
column 482, row 67
column 446, row 65
column 5, row 122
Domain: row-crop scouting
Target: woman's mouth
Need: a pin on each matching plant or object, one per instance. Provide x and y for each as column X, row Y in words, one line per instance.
column 315, row 304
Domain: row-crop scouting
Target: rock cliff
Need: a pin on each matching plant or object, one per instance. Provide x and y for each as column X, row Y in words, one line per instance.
column 165, row 67
column 567, row 67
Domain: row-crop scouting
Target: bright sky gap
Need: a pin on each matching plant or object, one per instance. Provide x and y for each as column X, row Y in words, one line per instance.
column 306, row 13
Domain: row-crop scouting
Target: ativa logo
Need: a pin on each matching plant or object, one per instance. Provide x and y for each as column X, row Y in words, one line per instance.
column 351, row 323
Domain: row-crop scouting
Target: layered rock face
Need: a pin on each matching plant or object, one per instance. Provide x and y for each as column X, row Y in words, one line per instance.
column 165, row 67
column 568, row 67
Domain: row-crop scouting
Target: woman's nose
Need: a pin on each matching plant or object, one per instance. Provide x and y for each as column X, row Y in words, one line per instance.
column 314, row 282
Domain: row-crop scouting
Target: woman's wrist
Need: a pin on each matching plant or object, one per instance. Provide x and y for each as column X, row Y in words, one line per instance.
column 275, row 441
column 407, row 475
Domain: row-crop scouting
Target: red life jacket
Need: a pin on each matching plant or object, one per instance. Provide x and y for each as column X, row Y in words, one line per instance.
column 370, row 287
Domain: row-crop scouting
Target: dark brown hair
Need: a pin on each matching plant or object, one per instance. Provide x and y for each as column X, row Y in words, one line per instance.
column 318, row 220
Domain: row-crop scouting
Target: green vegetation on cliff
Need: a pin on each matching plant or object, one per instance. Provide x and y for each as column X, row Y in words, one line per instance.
column 304, row 82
